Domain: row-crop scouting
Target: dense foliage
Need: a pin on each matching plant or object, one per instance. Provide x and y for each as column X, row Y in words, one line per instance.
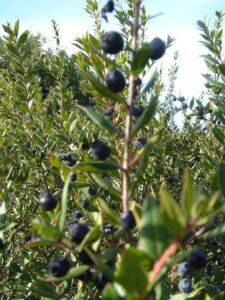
column 102, row 195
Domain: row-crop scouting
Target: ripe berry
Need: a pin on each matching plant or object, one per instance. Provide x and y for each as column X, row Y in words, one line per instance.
column 108, row 229
column 185, row 286
column 127, row 220
column 85, row 145
column 108, row 112
column 185, row 106
column 136, row 112
column 59, row 267
column 85, row 258
column 73, row 177
column 109, row 7
column 84, row 202
column 41, row 155
column 77, row 214
column 111, row 42
column 101, row 280
column 184, row 269
column 92, row 192
column 157, row 48
column 67, row 157
column 78, row 231
column 220, row 287
column 47, row 201
column 100, row 150
column 85, row 277
column 1, row 244
column 115, row 81
column 34, row 150
column 27, row 238
column 70, row 163
column 139, row 143
column 197, row 259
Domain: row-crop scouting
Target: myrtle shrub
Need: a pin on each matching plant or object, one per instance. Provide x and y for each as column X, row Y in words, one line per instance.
column 102, row 195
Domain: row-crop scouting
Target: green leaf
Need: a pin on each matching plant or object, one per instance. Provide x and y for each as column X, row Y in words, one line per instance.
column 143, row 163
column 222, row 69
column 109, row 213
column 216, row 83
column 153, row 238
column 148, row 86
column 16, row 28
column 218, row 134
column 95, row 167
column 45, row 229
column 12, row 49
column 210, row 58
column 222, row 178
column 22, row 39
column 220, row 229
column 63, row 138
column 131, row 273
column 64, row 204
column 140, row 60
column 101, row 121
column 92, row 236
column 24, row 108
column 44, row 289
column 184, row 296
column 101, row 89
column 109, row 293
column 54, row 160
column 100, row 265
column 172, row 215
column 106, row 184
column 188, row 193
column 146, row 116
column 7, row 227
column 73, row 273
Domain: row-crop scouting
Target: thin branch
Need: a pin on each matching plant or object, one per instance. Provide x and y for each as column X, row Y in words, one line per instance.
column 128, row 118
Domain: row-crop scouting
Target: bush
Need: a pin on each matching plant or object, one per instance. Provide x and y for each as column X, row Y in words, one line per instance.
column 88, row 213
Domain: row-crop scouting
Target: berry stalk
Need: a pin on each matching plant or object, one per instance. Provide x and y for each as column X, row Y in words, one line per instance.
column 128, row 118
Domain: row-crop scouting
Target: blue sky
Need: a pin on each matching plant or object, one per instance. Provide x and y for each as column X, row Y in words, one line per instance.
column 179, row 21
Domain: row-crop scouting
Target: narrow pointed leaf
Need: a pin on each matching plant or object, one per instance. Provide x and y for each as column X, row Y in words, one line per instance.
column 64, row 204
column 172, row 215
column 101, row 121
column 188, row 193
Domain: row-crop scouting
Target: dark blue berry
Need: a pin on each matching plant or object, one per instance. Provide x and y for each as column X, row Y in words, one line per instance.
column 41, row 155
column 47, row 201
column 139, row 143
column 127, row 220
column 185, row 286
column 78, row 231
column 197, row 259
column 1, row 244
column 59, row 267
column 108, row 112
column 85, row 277
column 115, row 81
column 34, row 150
column 77, row 214
column 85, row 258
column 27, row 238
column 100, row 150
column 84, row 202
column 67, row 157
column 220, row 287
column 73, row 177
column 157, row 48
column 85, row 145
column 92, row 192
column 111, row 42
column 136, row 112
column 101, row 280
column 184, row 269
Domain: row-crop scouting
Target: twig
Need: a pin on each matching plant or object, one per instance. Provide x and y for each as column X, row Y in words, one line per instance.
column 128, row 118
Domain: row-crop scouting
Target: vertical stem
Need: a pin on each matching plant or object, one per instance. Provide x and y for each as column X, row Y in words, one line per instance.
column 128, row 118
